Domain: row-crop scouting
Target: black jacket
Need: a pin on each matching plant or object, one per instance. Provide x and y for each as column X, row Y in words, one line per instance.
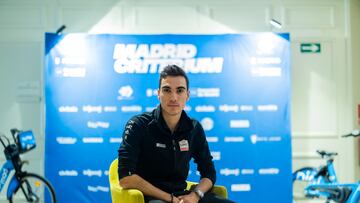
column 150, row 150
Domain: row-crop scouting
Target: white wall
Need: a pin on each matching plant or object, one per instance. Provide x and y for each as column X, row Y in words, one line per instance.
column 324, row 85
column 354, row 44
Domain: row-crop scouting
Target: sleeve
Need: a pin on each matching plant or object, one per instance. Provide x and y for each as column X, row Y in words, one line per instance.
column 129, row 149
column 202, row 156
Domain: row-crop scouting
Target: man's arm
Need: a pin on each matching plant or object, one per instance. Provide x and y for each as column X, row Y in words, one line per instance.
column 136, row 182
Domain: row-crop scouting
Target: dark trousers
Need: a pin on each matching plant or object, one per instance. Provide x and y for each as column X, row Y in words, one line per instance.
column 208, row 198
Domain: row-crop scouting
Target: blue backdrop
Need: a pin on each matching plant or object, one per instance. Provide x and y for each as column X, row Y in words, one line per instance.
column 240, row 92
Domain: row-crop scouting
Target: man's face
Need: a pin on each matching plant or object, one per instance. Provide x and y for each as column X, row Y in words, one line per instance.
column 173, row 95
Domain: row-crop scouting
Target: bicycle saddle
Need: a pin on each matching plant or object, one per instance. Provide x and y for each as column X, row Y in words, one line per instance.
column 325, row 153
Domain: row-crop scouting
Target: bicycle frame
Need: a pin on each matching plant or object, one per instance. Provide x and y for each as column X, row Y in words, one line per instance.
column 324, row 188
column 331, row 170
column 5, row 172
column 316, row 176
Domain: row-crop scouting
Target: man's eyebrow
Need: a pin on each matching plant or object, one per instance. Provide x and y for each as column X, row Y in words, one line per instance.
column 181, row 87
column 167, row 87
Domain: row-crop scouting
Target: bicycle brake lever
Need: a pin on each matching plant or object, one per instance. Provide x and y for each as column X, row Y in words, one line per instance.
column 14, row 130
column 354, row 133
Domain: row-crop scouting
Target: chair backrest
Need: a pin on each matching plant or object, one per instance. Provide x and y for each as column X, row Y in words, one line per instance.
column 113, row 174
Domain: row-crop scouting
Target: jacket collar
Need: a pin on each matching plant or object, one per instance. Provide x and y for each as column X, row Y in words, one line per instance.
column 185, row 123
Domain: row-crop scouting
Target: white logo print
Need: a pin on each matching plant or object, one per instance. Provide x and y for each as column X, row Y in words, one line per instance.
column 125, row 92
column 207, row 123
column 98, row 189
column 253, row 139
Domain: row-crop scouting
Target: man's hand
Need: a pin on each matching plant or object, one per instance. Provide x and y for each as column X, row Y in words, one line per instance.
column 190, row 198
column 177, row 200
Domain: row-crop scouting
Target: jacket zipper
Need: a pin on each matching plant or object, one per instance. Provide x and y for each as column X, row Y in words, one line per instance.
column 174, row 151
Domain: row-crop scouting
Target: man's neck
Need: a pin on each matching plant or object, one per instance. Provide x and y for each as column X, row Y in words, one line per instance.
column 171, row 121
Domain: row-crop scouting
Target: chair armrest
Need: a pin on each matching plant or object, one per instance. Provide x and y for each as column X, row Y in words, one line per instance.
column 217, row 189
column 120, row 195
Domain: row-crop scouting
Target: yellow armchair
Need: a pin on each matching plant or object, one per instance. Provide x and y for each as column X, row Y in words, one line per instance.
column 120, row 195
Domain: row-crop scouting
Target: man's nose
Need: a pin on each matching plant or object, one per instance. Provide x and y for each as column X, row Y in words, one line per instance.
column 173, row 96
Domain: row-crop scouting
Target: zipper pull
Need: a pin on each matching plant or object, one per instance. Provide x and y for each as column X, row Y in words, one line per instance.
column 173, row 141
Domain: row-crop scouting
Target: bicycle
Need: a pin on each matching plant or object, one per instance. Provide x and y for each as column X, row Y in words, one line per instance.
column 323, row 183
column 23, row 186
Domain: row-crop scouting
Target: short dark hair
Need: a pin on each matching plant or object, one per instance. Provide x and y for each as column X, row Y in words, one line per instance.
column 173, row 70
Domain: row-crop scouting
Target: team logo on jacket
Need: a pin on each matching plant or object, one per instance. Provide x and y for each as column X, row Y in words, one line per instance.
column 160, row 145
column 184, row 145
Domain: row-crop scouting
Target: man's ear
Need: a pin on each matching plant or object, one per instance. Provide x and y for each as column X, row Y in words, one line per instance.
column 188, row 95
column 158, row 94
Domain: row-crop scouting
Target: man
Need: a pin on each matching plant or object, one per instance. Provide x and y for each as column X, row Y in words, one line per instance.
column 158, row 146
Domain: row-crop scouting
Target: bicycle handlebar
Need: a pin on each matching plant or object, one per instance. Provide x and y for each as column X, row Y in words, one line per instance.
column 354, row 133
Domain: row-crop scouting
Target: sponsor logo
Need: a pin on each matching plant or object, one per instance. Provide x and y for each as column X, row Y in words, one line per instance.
column 160, row 145
column 125, row 93
column 151, row 92
column 91, row 109
column 93, row 140
column 246, row 108
column 228, row 108
column 234, row 139
column 246, row 171
column 240, row 187
column 205, row 92
column 239, row 123
column 212, row 139
column 133, row 108
column 150, row 108
column 110, row 109
column 205, row 108
column 68, row 72
column 91, row 173
column 27, row 138
column 4, row 176
column 98, row 189
column 216, row 155
column 255, row 139
column 68, row 109
column 66, row 140
column 207, row 123
column 151, row 58
column 68, row 173
column 307, row 175
column 115, row 140
column 184, row 145
column 269, row 171
column 227, row 172
column 270, row 107
column 98, row 124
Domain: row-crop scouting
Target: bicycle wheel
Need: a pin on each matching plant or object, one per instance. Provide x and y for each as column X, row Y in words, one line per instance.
column 35, row 189
column 302, row 178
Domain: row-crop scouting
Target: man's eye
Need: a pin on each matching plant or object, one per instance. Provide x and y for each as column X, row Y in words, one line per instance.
column 166, row 90
column 179, row 91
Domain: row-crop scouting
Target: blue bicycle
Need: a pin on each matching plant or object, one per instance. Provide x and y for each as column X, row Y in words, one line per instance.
column 322, row 182
column 23, row 186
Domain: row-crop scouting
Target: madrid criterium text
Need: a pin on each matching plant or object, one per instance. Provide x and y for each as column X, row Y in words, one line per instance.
column 151, row 58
